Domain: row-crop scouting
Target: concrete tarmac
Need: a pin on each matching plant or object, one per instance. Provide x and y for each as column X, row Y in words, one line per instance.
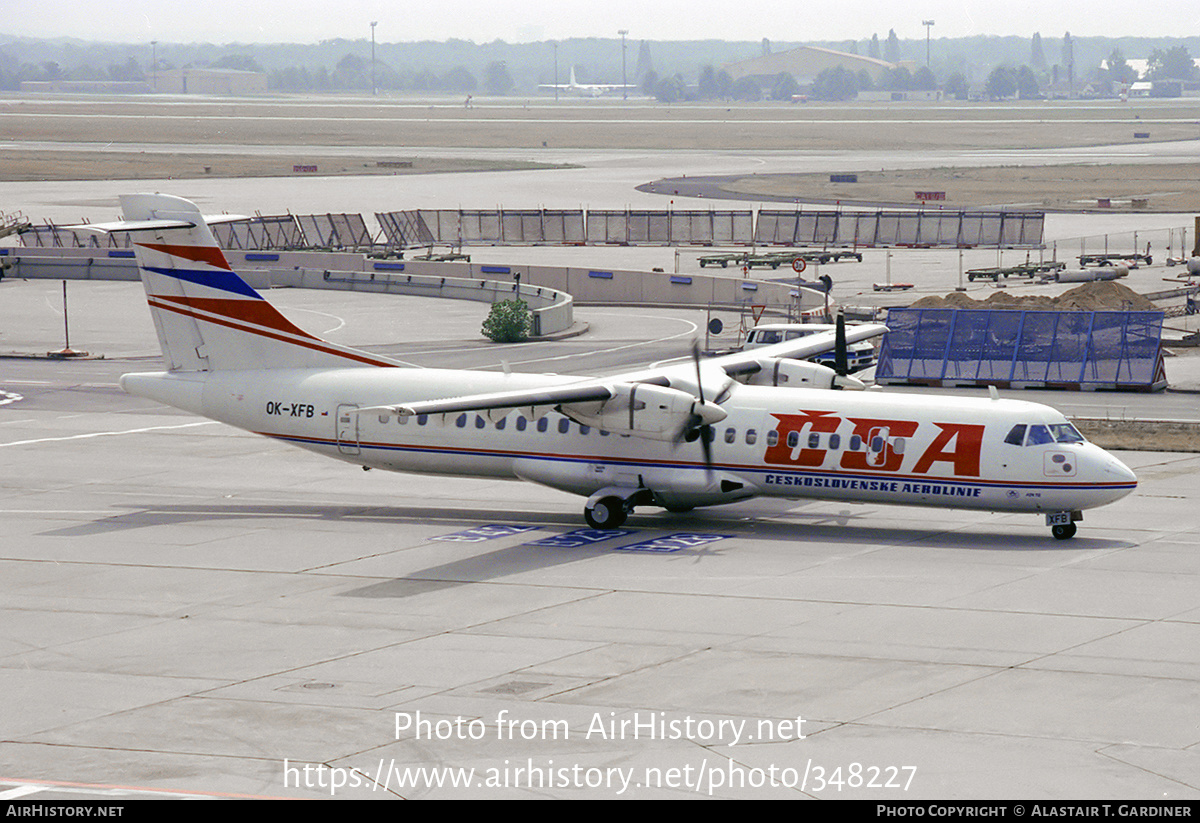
column 193, row 611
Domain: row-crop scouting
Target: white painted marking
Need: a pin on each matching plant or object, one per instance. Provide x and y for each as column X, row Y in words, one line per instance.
column 105, row 434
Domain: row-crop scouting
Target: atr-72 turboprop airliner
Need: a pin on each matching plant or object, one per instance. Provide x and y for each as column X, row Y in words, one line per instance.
column 758, row 423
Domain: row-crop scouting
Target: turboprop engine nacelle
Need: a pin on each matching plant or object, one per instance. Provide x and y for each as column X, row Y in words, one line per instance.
column 799, row 374
column 655, row 412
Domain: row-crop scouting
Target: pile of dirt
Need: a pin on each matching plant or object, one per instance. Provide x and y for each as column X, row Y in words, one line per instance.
column 1104, row 295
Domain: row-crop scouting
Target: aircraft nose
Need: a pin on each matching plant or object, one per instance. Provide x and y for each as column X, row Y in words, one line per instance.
column 1115, row 472
column 1121, row 473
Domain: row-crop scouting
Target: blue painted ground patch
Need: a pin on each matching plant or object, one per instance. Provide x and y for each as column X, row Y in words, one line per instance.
column 579, row 537
column 672, row 542
column 489, row 532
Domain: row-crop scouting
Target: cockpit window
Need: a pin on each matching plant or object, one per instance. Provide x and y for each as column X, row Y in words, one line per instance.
column 1037, row 435
column 1066, row 433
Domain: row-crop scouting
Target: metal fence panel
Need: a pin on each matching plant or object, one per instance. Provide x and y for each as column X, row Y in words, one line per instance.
column 1083, row 349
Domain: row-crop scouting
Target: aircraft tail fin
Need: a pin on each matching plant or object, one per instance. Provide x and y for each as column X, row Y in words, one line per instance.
column 207, row 317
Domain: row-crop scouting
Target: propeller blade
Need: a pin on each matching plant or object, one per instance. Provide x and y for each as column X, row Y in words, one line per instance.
column 841, row 361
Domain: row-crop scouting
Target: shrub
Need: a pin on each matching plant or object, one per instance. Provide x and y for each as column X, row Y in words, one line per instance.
column 507, row 322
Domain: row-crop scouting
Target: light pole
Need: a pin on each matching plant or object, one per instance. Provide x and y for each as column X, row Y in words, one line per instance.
column 928, row 24
column 624, row 81
column 555, row 44
column 154, row 64
column 374, row 90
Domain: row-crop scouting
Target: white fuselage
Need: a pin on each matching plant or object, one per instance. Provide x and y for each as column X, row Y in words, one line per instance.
column 794, row 443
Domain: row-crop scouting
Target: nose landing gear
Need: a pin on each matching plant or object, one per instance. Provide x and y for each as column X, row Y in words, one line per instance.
column 1062, row 524
column 1065, row 532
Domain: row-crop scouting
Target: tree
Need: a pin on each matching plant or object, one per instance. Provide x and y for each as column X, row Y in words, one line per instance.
column 706, row 85
column 670, row 89
column 957, row 87
column 507, row 322
column 645, row 62
column 785, row 87
column 459, row 79
column 891, row 49
column 649, row 81
column 351, row 73
column 1027, row 84
column 1036, row 55
column 1172, row 64
column 745, row 88
column 1118, row 70
column 873, row 48
column 1001, row 83
column 923, row 79
column 837, row 83
column 1068, row 56
column 898, row 79
column 496, row 78
column 128, row 71
column 239, row 62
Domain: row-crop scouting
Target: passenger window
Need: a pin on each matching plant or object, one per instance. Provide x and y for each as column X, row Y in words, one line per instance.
column 422, row 419
column 772, row 437
column 793, row 439
column 814, row 440
column 543, row 424
column 521, row 424
column 383, row 418
column 564, row 426
column 501, row 423
column 835, row 441
column 584, row 429
column 898, row 446
column 730, row 435
column 1017, row 436
column 877, row 444
column 461, row 421
column 751, row 437
column 479, row 422
column 855, row 442
column 402, row 419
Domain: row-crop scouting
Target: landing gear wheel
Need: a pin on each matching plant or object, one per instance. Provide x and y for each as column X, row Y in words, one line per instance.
column 1065, row 532
column 679, row 509
column 607, row 513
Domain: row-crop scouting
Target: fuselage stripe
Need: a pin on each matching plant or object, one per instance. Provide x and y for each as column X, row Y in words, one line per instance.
column 688, row 464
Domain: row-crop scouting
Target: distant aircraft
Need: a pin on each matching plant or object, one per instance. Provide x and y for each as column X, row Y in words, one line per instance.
column 755, row 423
column 587, row 89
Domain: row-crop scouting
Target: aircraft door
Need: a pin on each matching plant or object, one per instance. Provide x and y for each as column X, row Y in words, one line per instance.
column 347, row 428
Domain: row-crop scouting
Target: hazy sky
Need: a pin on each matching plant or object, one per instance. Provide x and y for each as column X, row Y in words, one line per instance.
column 308, row 21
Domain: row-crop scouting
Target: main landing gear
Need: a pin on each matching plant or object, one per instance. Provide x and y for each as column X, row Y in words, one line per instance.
column 606, row 513
column 608, row 508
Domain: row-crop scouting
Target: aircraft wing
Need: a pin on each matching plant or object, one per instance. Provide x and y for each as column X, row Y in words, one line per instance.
column 549, row 396
column 657, row 403
column 799, row 349
column 648, row 409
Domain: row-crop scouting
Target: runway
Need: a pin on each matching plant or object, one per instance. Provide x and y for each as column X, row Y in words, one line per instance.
column 192, row 611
